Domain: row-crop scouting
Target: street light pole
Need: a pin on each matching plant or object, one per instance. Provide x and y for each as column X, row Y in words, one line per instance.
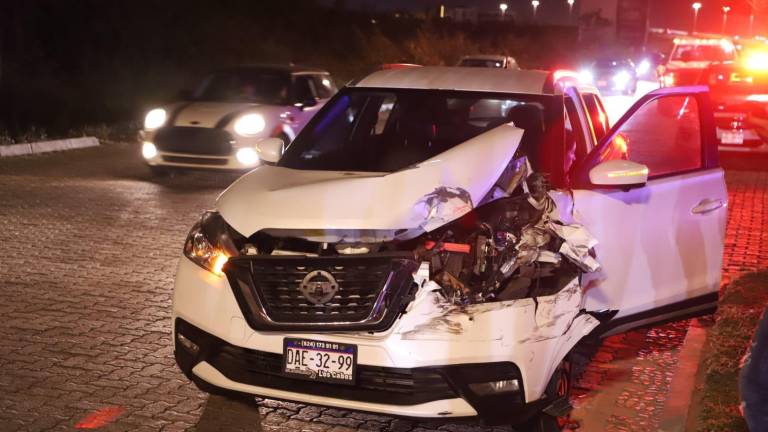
column 696, row 6
column 535, row 4
column 503, row 7
column 570, row 10
column 726, row 9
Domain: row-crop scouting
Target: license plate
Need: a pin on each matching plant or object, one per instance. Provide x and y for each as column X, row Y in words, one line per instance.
column 319, row 361
column 732, row 137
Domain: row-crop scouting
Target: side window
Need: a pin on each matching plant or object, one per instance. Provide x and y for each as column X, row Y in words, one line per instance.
column 304, row 88
column 665, row 135
column 575, row 140
column 597, row 115
column 324, row 86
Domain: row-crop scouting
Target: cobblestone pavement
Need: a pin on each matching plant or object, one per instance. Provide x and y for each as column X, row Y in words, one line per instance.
column 88, row 248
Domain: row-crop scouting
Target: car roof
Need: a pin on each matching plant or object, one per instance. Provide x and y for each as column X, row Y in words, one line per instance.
column 460, row 78
column 287, row 68
column 485, row 57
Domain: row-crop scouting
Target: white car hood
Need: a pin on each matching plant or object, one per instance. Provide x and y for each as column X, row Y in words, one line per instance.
column 207, row 114
column 281, row 198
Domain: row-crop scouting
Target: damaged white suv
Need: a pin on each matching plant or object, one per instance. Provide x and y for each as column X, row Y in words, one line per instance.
column 437, row 241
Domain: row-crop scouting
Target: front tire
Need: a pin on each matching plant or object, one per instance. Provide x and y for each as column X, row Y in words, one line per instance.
column 558, row 390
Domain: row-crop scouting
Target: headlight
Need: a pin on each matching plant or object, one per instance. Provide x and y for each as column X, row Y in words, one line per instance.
column 586, row 77
column 148, row 150
column 155, row 119
column 621, row 79
column 209, row 243
column 643, row 67
column 247, row 156
column 249, row 125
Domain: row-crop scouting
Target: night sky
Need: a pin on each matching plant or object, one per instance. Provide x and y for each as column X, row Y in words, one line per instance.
column 676, row 14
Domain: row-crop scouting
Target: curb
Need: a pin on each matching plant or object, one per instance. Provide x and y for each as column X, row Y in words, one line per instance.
column 47, row 146
column 678, row 406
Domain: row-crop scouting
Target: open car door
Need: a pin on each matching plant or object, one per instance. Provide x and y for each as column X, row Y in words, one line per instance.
column 654, row 196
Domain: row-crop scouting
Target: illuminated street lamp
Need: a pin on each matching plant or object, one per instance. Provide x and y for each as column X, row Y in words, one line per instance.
column 726, row 9
column 696, row 6
column 503, row 7
column 535, row 4
column 570, row 9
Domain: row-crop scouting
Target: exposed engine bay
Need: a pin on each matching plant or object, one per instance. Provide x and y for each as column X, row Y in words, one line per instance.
column 513, row 246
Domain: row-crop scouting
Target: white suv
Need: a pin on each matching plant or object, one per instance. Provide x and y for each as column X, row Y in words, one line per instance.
column 435, row 244
column 218, row 125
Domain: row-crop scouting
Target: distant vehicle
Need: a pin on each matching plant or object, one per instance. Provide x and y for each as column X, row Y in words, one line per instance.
column 489, row 61
column 218, row 125
column 390, row 66
column 690, row 57
column 647, row 64
column 435, row 243
column 611, row 76
column 739, row 94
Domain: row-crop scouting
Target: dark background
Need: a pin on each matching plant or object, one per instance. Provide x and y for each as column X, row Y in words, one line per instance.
column 70, row 67
column 66, row 65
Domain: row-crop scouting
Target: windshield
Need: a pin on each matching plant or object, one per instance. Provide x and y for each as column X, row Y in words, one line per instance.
column 708, row 53
column 249, row 86
column 484, row 63
column 386, row 130
column 610, row 64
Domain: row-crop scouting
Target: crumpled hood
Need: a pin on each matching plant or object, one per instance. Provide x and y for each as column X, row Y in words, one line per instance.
column 282, row 198
column 207, row 114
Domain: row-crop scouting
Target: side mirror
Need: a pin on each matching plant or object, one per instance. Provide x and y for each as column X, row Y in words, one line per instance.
column 308, row 102
column 270, row 149
column 620, row 173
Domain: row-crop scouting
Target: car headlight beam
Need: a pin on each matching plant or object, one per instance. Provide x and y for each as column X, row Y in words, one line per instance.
column 249, row 125
column 155, row 119
column 247, row 156
column 148, row 150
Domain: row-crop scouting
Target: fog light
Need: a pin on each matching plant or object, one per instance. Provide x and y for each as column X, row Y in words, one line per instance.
column 247, row 156
column 187, row 344
column 148, row 150
column 495, row 387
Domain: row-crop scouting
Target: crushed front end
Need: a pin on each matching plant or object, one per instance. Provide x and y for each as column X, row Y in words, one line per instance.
column 467, row 315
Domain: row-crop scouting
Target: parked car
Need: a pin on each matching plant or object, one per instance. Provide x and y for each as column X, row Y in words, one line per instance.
column 217, row 125
column 739, row 93
column 435, row 244
column 489, row 61
column 612, row 76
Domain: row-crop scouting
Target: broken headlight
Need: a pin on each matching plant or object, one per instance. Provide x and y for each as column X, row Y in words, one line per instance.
column 209, row 243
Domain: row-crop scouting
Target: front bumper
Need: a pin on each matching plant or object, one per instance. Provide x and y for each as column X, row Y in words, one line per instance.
column 524, row 338
column 437, row 391
column 196, row 147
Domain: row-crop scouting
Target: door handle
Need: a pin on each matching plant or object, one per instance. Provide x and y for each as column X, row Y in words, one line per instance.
column 707, row 205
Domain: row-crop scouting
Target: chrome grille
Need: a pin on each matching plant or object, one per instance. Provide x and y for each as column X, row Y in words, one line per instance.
column 370, row 291
column 359, row 286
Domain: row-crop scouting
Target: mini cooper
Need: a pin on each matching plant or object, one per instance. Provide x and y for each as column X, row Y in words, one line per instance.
column 438, row 241
column 217, row 125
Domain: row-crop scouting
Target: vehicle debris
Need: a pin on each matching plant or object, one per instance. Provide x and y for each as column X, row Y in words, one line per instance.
column 515, row 246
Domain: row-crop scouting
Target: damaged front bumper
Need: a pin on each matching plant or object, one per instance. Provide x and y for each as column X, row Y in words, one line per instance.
column 420, row 367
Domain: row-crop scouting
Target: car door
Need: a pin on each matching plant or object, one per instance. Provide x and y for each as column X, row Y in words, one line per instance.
column 660, row 243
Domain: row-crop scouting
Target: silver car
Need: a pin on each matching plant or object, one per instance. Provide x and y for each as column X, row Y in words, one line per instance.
column 218, row 125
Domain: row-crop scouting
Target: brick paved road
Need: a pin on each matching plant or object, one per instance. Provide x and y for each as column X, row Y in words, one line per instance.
column 88, row 249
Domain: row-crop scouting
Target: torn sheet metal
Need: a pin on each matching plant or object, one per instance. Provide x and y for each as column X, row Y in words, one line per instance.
column 578, row 243
column 444, row 205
